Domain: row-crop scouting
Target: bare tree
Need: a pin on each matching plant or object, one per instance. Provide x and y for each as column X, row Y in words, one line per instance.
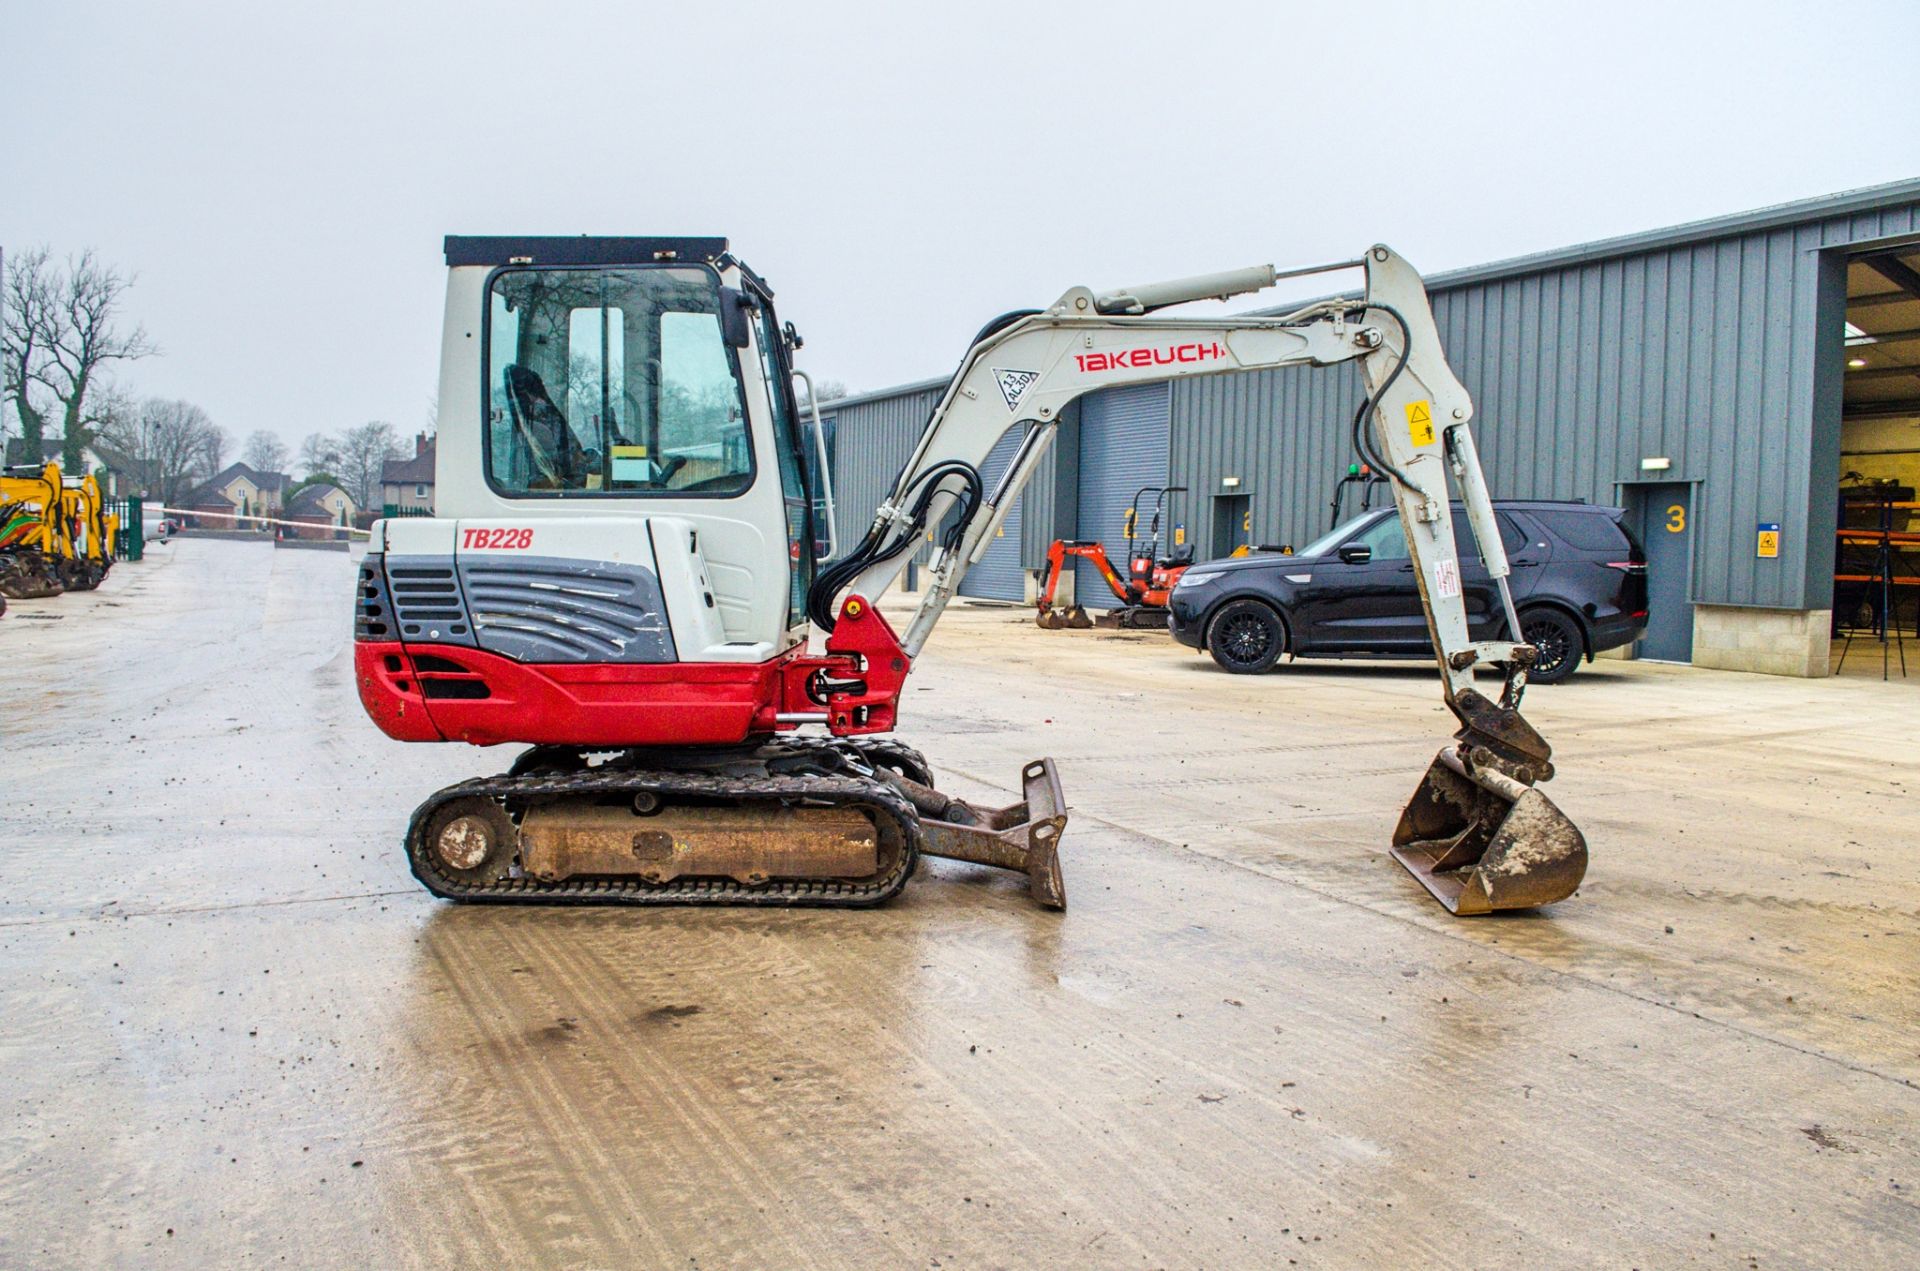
column 62, row 331
column 319, row 453
column 27, row 310
column 827, row 391
column 363, row 452
column 264, row 452
column 173, row 446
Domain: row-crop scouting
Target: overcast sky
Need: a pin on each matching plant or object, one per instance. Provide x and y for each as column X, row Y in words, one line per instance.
column 280, row 175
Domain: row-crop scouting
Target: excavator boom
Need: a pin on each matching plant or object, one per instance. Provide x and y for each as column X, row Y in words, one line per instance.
column 1477, row 834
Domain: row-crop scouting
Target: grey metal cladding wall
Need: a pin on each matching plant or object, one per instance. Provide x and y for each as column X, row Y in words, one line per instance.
column 997, row 575
column 1703, row 352
column 1283, row 433
column 872, row 438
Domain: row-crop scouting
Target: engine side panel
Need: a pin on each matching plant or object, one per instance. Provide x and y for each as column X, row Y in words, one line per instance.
column 560, row 609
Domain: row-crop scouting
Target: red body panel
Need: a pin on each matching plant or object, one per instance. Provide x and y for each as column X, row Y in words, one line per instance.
column 616, row 705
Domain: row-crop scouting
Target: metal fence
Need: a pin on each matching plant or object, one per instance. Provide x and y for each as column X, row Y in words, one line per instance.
column 391, row 510
column 130, row 539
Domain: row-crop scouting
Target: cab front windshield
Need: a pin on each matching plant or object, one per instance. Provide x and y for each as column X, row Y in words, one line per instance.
column 612, row 381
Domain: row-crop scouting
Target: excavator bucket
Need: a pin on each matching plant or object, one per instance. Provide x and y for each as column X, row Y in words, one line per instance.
column 1072, row 618
column 1480, row 840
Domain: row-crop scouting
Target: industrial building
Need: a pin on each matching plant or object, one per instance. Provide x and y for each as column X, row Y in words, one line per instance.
column 1720, row 380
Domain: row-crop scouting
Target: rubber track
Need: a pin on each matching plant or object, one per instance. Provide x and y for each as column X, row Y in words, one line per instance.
column 875, row 798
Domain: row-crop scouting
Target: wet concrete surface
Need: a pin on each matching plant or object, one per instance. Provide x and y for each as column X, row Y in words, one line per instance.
column 233, row 1030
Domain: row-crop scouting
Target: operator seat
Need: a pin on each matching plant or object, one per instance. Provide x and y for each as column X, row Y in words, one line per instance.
column 550, row 442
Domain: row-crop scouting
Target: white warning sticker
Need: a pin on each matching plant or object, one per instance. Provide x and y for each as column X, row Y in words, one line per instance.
column 1013, row 384
column 1446, row 578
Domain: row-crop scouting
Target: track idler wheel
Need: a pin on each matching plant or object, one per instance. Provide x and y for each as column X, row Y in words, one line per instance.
column 473, row 840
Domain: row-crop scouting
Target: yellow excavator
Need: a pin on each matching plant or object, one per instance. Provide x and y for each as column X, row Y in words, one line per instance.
column 89, row 532
column 622, row 574
column 33, row 534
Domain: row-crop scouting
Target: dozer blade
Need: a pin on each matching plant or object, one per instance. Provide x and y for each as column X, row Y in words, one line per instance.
column 1480, row 840
column 1024, row 836
column 1072, row 618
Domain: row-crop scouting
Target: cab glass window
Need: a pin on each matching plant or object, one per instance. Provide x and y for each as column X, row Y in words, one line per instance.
column 614, row 382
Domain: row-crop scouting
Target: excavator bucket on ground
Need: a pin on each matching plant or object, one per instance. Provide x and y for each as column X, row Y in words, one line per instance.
column 1072, row 618
column 1480, row 840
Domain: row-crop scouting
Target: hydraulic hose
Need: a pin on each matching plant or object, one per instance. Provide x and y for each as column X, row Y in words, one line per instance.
column 1360, row 441
column 879, row 544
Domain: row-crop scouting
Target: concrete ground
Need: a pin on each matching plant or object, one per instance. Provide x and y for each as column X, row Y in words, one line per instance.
column 233, row 1030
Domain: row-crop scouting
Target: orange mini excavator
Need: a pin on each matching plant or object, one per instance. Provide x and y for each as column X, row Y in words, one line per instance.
column 1142, row 593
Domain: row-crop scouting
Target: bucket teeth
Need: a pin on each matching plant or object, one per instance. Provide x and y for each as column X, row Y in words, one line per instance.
column 1481, row 841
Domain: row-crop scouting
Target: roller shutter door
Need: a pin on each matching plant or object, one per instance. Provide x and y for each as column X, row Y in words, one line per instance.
column 998, row 576
column 1123, row 446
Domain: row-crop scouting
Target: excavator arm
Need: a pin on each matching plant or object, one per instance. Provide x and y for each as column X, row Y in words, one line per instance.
column 1477, row 833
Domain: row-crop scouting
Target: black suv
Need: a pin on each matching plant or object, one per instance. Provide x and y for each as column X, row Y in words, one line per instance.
column 1579, row 583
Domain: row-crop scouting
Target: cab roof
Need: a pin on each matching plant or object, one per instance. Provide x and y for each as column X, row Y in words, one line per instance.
column 579, row 249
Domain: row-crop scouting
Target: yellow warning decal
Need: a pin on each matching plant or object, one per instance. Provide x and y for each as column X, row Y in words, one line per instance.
column 1420, row 422
column 628, row 452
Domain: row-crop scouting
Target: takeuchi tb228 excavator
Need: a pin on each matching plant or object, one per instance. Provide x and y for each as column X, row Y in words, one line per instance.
column 622, row 576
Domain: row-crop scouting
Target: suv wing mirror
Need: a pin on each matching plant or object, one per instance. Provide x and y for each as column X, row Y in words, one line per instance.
column 1355, row 553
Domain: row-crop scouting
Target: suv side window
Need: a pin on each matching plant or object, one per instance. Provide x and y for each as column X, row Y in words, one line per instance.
column 1463, row 541
column 1385, row 539
column 1594, row 531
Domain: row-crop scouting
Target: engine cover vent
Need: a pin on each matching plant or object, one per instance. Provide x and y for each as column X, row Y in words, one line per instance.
column 557, row 609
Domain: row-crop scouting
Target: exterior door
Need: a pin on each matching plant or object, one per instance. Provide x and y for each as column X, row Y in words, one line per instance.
column 998, row 576
column 1123, row 447
column 1664, row 515
column 1232, row 523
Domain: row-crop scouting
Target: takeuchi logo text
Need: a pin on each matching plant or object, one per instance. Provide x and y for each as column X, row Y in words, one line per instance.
column 1124, row 358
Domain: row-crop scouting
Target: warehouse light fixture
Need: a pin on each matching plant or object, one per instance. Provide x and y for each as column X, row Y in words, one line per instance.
column 1856, row 362
column 1657, row 464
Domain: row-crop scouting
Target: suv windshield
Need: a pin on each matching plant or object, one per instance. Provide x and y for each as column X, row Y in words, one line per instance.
column 612, row 381
column 1341, row 533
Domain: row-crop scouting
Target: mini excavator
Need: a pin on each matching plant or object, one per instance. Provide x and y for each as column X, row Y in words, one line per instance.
column 622, row 572
column 1142, row 593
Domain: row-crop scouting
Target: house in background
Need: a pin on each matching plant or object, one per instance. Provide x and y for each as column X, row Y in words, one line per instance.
column 321, row 510
column 406, row 485
column 237, row 490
